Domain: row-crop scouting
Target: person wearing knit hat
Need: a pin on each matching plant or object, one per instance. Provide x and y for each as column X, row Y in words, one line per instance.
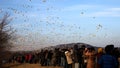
column 100, row 52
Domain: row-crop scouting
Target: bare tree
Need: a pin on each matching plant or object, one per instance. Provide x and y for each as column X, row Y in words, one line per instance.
column 6, row 33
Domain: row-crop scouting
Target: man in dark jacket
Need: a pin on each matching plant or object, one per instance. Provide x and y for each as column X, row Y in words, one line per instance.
column 107, row 60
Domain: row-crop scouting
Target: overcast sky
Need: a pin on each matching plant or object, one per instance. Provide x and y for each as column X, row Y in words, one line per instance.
column 41, row 23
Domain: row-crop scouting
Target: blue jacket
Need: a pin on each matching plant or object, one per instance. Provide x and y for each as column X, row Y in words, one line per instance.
column 107, row 61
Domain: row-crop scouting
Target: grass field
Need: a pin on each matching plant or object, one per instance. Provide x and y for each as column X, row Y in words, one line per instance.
column 26, row 65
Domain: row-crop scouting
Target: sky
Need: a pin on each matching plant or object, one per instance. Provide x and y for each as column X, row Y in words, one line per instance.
column 44, row 23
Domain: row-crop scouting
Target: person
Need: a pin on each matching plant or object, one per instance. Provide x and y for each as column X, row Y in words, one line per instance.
column 107, row 60
column 75, row 56
column 100, row 52
column 90, row 57
column 116, row 54
column 75, row 53
column 62, row 58
column 49, row 57
column 53, row 60
column 84, row 57
column 69, row 58
column 80, row 52
column 42, row 57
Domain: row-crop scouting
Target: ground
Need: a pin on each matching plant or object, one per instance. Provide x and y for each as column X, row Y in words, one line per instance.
column 26, row 65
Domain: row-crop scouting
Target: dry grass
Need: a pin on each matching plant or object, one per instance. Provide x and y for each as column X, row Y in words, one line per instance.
column 26, row 65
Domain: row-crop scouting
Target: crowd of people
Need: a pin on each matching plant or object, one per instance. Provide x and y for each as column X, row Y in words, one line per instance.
column 83, row 57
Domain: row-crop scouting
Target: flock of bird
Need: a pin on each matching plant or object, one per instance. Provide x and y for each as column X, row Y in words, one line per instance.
column 52, row 25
